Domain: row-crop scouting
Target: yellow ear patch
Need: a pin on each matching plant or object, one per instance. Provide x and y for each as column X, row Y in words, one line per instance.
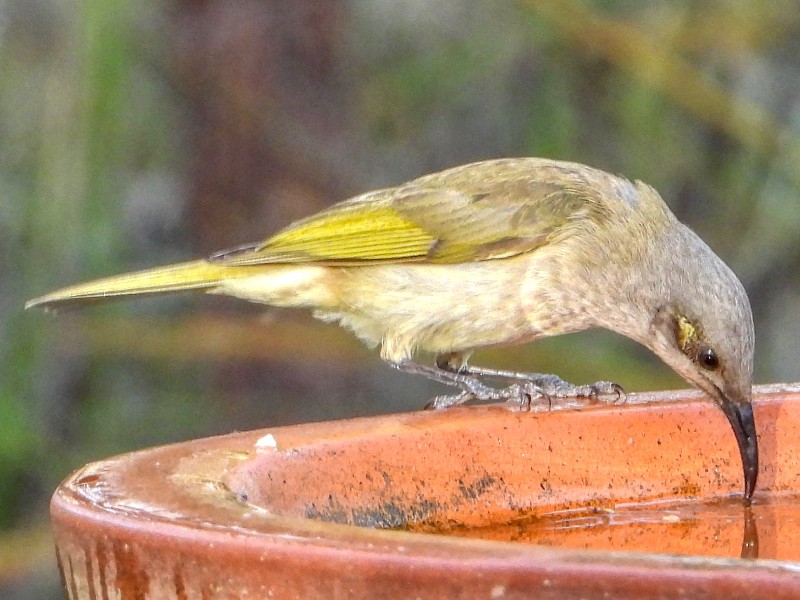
column 688, row 334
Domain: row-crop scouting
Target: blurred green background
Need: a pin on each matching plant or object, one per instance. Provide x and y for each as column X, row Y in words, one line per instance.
column 134, row 133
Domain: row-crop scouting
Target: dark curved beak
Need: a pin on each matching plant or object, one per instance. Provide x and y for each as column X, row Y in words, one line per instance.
column 740, row 416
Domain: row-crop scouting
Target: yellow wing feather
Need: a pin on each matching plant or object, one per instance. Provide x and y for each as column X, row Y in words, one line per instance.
column 349, row 232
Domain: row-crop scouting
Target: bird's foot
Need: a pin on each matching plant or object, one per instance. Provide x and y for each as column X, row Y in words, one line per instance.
column 551, row 387
column 548, row 387
column 532, row 386
column 472, row 388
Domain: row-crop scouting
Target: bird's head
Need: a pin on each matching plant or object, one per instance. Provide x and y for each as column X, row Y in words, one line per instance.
column 704, row 331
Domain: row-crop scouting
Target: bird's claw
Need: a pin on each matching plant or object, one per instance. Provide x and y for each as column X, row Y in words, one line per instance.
column 440, row 402
column 531, row 388
column 608, row 388
column 473, row 389
column 551, row 387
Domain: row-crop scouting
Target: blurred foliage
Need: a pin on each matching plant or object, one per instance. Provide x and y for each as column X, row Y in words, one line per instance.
column 134, row 133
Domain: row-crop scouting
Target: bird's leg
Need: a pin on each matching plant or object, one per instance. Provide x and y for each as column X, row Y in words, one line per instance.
column 536, row 384
column 472, row 388
column 552, row 386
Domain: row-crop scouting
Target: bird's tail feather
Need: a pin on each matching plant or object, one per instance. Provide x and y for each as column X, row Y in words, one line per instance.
column 193, row 275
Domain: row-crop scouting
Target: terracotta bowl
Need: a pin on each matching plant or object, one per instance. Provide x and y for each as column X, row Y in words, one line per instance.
column 636, row 500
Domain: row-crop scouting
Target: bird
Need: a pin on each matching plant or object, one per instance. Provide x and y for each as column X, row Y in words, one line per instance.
column 495, row 253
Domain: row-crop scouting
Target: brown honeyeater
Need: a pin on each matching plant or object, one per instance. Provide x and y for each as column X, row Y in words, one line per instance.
column 494, row 253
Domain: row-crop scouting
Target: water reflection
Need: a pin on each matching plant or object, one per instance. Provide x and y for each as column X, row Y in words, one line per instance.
column 770, row 528
column 749, row 534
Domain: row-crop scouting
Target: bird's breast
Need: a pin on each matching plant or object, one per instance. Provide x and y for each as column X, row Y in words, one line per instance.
column 436, row 308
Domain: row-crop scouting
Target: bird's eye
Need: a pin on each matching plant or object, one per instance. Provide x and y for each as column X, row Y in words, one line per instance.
column 708, row 359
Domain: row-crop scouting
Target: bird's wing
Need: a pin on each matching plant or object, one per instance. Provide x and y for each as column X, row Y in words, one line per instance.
column 449, row 217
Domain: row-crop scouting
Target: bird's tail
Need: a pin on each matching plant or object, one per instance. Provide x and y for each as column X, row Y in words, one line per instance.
column 193, row 275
